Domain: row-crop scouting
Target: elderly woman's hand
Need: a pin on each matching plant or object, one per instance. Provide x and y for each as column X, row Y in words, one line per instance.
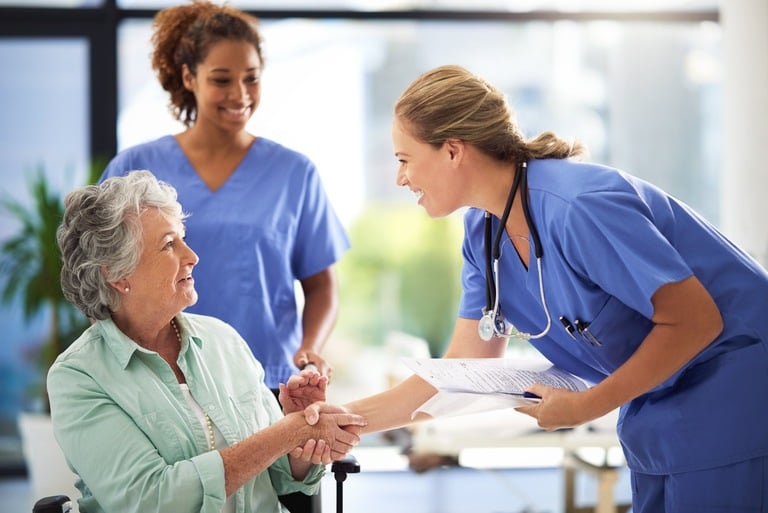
column 301, row 390
column 313, row 451
column 334, row 433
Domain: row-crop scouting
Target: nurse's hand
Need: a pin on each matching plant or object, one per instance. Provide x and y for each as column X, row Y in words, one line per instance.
column 558, row 408
column 312, row 360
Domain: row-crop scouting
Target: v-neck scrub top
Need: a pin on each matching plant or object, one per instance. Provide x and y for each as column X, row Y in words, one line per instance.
column 267, row 226
column 609, row 242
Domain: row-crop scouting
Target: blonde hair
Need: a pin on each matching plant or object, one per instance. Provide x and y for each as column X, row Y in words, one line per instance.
column 449, row 102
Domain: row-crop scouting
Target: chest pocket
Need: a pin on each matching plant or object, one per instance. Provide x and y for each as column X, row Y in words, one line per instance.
column 251, row 412
column 618, row 330
column 266, row 259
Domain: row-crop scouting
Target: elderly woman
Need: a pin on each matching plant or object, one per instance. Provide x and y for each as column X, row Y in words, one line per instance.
column 157, row 410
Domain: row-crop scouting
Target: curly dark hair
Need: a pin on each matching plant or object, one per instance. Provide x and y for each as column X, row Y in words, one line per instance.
column 183, row 35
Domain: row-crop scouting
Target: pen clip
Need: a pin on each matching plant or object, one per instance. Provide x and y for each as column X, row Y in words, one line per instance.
column 568, row 326
column 583, row 329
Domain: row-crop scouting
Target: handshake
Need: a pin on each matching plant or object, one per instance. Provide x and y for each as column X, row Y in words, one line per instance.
column 324, row 432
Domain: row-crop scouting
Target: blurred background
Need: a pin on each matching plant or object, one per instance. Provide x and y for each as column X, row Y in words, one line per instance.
column 648, row 85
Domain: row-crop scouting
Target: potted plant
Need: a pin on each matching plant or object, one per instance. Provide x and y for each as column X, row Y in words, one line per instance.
column 30, row 267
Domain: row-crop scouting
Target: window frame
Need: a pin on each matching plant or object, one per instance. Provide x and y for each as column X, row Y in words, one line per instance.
column 100, row 26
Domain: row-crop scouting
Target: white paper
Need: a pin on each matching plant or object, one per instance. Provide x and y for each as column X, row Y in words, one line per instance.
column 471, row 385
column 451, row 404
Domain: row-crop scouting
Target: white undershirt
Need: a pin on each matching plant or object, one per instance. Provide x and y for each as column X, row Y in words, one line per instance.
column 229, row 506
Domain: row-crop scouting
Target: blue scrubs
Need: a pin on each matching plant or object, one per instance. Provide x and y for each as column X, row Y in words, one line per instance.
column 736, row 488
column 269, row 225
column 610, row 241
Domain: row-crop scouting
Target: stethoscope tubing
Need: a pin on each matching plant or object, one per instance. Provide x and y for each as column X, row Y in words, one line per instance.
column 493, row 254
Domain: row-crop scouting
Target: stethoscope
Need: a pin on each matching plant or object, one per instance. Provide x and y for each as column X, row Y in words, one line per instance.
column 493, row 323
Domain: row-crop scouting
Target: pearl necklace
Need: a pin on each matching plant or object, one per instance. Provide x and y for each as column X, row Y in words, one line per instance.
column 208, row 421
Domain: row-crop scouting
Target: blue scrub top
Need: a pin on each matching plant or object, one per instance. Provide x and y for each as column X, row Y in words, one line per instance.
column 269, row 225
column 609, row 242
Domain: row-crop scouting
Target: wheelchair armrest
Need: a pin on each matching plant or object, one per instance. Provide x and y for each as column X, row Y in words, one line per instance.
column 53, row 504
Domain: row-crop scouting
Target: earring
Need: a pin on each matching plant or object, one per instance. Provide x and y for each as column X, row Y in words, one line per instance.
column 126, row 289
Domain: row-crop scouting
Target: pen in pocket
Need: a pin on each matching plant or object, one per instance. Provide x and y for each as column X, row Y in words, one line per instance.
column 568, row 326
column 583, row 329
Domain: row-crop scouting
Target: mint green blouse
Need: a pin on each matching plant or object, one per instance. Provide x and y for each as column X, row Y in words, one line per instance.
column 127, row 431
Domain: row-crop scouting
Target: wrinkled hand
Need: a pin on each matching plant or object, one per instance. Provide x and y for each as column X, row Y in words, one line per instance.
column 333, row 426
column 313, row 451
column 311, row 359
column 302, row 390
column 558, row 408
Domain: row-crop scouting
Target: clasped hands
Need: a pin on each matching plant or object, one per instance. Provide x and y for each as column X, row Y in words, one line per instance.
column 331, row 430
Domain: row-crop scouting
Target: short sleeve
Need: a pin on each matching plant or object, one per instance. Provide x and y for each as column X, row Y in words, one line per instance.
column 612, row 239
column 474, row 294
column 321, row 238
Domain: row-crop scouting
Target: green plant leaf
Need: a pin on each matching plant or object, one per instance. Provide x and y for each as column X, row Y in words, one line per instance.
column 30, row 267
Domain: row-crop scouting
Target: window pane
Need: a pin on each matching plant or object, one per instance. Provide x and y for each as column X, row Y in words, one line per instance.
column 644, row 97
column 44, row 101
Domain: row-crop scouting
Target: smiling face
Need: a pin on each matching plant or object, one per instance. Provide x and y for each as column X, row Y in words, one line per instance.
column 163, row 279
column 227, row 85
column 429, row 172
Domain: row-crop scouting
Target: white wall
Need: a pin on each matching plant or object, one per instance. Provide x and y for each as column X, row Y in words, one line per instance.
column 744, row 199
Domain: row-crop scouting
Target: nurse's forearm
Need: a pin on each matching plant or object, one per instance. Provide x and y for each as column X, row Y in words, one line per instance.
column 393, row 408
column 321, row 307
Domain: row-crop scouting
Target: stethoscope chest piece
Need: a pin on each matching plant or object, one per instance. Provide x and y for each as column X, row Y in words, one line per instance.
column 486, row 328
column 493, row 324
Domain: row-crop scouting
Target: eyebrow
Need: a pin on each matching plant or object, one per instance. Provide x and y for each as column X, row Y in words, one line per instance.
column 227, row 70
column 174, row 233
